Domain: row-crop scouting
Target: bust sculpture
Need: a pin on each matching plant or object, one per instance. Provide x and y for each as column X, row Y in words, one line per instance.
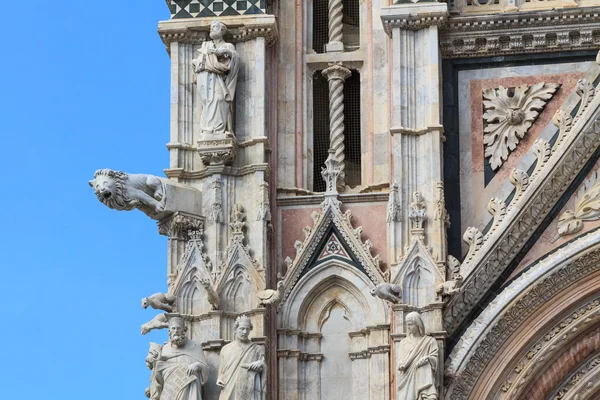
column 242, row 374
column 216, row 68
column 418, row 359
column 181, row 369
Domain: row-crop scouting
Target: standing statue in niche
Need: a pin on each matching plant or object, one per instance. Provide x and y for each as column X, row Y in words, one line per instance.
column 242, row 374
column 216, row 69
column 182, row 369
column 418, row 359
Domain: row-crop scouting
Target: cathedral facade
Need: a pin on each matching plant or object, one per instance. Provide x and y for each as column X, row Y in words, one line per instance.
column 377, row 200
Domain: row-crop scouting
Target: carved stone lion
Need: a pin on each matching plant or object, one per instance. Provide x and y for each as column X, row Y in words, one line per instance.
column 122, row 191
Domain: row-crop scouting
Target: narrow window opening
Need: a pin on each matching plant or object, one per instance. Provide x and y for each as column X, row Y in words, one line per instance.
column 350, row 21
column 352, row 129
column 352, row 136
column 320, row 128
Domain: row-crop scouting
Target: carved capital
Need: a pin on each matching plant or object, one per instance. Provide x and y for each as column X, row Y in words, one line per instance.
column 181, row 225
column 336, row 71
column 218, row 151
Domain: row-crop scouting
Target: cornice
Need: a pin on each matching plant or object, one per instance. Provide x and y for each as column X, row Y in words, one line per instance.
column 564, row 29
column 241, row 28
column 413, row 17
column 548, row 183
column 184, row 174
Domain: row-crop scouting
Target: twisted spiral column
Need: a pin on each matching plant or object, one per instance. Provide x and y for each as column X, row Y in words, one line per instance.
column 336, row 13
column 336, row 74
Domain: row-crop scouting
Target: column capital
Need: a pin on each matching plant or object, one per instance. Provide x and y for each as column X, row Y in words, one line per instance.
column 413, row 17
column 336, row 71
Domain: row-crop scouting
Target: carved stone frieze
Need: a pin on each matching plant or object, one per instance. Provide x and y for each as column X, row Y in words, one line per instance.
column 264, row 207
column 582, row 383
column 180, row 224
column 548, row 182
column 480, row 342
column 509, row 113
column 217, row 151
column 560, row 29
column 587, row 207
column 413, row 18
column 555, row 340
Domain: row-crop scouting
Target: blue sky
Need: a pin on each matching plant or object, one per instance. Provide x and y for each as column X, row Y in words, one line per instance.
column 85, row 85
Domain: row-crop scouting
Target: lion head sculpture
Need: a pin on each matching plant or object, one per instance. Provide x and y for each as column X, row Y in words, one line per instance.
column 110, row 188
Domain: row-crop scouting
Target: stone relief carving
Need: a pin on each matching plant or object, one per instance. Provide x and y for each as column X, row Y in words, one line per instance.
column 474, row 238
column 160, row 301
column 216, row 69
column 264, row 207
column 211, row 294
column 394, row 213
column 509, row 113
column 388, row 292
column 441, row 214
column 448, row 288
column 417, row 211
column 418, row 362
column 216, row 208
column 270, row 296
column 158, row 322
column 520, row 180
column 497, row 209
column 122, row 191
column 242, row 367
column 587, row 207
column 182, row 369
column 151, row 391
column 180, row 225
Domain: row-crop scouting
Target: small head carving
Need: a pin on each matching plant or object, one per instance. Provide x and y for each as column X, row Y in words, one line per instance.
column 217, row 30
column 243, row 327
column 153, row 354
column 177, row 331
column 414, row 324
column 145, row 303
column 516, row 116
column 372, row 291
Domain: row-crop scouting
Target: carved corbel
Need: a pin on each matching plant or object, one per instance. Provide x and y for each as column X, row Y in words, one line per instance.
column 180, row 224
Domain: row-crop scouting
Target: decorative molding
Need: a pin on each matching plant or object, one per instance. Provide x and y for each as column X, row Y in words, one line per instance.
column 548, row 183
column 413, row 17
column 485, row 35
column 180, row 225
column 557, row 338
column 264, row 207
column 581, row 383
column 509, row 113
column 510, row 309
column 239, row 28
column 214, row 8
column 587, row 207
column 184, row 174
column 520, row 180
column 497, row 209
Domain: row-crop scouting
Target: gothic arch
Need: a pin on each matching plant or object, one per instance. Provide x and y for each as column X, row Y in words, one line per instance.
column 516, row 340
column 359, row 332
column 237, row 294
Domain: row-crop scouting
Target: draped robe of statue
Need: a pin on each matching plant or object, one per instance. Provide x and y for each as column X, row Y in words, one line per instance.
column 239, row 382
column 215, row 81
column 170, row 372
column 418, row 383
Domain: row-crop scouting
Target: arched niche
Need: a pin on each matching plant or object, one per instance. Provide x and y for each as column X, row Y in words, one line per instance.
column 314, row 291
column 236, row 295
column 191, row 295
column 419, row 283
column 334, row 324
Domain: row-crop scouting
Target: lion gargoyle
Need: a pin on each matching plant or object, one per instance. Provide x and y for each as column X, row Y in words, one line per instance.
column 122, row 191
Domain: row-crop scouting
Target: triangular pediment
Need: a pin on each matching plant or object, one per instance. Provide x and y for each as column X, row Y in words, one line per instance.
column 537, row 198
column 332, row 237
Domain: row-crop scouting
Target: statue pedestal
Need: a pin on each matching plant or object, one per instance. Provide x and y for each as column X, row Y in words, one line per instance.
column 218, row 150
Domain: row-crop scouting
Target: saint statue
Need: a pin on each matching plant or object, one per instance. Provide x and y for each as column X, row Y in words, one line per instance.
column 216, row 68
column 242, row 374
column 151, row 359
column 418, row 359
column 181, row 369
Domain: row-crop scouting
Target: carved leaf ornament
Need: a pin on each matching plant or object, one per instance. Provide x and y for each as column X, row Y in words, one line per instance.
column 509, row 113
column 586, row 209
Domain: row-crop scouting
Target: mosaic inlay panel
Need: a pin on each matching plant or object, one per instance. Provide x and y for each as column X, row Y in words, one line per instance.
column 215, row 8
